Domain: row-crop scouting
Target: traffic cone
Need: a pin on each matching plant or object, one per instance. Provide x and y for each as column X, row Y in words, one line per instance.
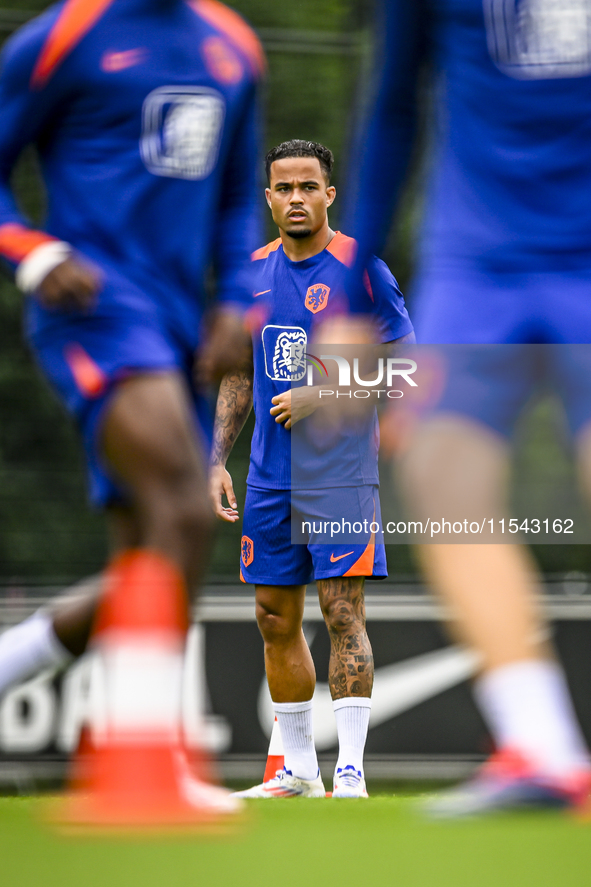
column 275, row 756
column 137, row 773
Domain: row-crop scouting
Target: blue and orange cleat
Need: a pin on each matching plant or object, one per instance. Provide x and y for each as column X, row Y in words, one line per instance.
column 506, row 782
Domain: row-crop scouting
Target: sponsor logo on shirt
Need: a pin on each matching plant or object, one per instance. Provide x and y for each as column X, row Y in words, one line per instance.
column 317, row 297
column 181, row 131
column 539, row 39
column 284, row 348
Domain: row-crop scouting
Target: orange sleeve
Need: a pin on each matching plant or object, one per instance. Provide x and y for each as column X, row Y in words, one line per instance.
column 17, row 241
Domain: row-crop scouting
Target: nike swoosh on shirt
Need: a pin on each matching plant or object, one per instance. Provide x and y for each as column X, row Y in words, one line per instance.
column 262, row 293
column 397, row 688
column 339, row 557
column 111, row 62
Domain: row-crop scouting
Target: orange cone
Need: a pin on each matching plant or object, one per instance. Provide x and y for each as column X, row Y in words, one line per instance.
column 275, row 756
column 137, row 772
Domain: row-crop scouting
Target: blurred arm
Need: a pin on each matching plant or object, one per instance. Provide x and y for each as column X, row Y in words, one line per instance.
column 227, row 342
column 239, row 228
column 42, row 263
column 382, row 148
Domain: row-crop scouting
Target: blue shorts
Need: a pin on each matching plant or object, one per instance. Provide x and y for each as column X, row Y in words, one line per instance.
column 84, row 356
column 270, row 557
column 467, row 305
column 515, row 317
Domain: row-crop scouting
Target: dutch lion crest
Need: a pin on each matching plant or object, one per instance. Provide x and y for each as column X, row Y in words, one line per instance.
column 247, row 550
column 317, row 297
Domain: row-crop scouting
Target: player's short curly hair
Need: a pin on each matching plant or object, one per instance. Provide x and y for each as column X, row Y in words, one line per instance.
column 301, row 148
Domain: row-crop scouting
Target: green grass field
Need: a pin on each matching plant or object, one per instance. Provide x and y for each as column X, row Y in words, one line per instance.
column 313, row 843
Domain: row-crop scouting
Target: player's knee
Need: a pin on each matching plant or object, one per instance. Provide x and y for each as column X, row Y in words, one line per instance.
column 276, row 628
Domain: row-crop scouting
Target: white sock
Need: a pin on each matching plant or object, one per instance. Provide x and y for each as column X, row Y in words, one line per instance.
column 28, row 648
column 295, row 723
column 352, row 714
column 528, row 707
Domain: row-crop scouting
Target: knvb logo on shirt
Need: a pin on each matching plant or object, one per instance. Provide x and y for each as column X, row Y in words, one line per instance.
column 539, row 39
column 284, row 348
column 181, row 131
column 317, row 297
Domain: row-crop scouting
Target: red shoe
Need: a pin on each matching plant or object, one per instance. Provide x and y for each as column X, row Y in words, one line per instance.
column 507, row 781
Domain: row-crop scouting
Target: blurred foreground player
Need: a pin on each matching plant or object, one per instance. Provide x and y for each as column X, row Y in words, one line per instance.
column 297, row 278
column 143, row 115
column 505, row 257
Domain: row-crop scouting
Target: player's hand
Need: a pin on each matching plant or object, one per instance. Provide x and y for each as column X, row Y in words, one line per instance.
column 293, row 405
column 73, row 284
column 347, row 329
column 354, row 337
column 226, row 346
column 220, row 484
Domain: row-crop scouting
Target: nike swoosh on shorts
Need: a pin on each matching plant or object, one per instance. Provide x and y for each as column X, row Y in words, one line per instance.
column 339, row 557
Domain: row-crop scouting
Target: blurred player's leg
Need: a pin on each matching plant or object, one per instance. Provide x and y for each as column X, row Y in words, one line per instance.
column 151, row 446
column 350, row 677
column 28, row 648
column 479, row 581
column 150, row 443
column 522, row 691
column 52, row 636
column 73, row 613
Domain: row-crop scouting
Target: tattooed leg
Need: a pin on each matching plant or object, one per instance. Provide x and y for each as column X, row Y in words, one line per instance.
column 351, row 658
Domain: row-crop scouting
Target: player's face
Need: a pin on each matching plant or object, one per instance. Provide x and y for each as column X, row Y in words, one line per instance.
column 299, row 196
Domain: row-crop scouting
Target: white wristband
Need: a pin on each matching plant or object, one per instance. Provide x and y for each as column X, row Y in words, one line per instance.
column 33, row 270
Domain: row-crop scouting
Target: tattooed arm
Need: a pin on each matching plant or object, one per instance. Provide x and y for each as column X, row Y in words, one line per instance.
column 233, row 406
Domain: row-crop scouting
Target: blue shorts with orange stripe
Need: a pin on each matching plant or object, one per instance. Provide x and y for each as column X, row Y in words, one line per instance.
column 274, row 518
column 85, row 357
